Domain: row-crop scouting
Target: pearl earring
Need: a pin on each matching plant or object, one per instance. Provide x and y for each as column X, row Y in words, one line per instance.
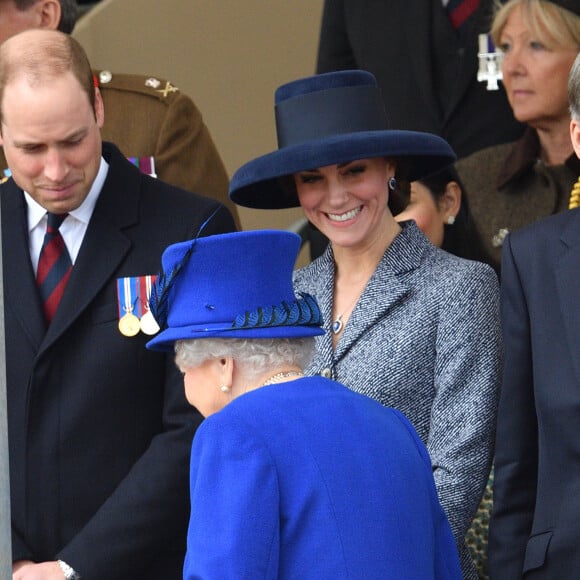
column 224, row 388
column 392, row 183
column 451, row 220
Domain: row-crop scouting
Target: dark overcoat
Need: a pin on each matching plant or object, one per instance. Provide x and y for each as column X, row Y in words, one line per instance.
column 99, row 427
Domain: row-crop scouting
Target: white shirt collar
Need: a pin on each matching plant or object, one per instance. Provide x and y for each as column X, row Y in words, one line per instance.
column 82, row 213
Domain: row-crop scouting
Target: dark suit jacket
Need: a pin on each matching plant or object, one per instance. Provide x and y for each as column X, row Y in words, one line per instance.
column 535, row 524
column 99, row 428
column 428, row 78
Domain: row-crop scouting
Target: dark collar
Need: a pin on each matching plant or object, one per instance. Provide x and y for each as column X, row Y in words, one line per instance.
column 522, row 157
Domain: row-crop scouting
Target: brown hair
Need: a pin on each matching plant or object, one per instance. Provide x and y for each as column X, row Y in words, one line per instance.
column 398, row 197
column 68, row 12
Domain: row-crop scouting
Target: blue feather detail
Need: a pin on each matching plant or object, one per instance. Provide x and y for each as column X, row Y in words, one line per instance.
column 316, row 315
column 268, row 315
column 158, row 301
column 301, row 312
column 293, row 314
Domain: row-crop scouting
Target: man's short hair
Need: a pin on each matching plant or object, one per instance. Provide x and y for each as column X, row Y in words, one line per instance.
column 68, row 12
column 574, row 89
column 68, row 15
column 52, row 55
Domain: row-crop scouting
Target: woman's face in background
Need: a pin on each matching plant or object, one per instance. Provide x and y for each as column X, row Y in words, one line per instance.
column 535, row 72
column 425, row 212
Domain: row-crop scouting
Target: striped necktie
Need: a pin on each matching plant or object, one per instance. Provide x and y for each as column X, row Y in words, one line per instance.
column 459, row 12
column 54, row 266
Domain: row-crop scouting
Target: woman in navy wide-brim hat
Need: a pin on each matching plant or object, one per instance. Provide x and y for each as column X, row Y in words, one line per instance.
column 406, row 323
column 291, row 476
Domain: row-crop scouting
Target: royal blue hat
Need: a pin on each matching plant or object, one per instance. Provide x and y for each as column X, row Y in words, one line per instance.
column 327, row 119
column 236, row 285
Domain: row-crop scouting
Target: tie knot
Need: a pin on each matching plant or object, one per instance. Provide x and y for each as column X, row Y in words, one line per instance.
column 54, row 221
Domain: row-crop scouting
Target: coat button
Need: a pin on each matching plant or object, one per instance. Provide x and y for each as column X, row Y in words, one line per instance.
column 326, row 373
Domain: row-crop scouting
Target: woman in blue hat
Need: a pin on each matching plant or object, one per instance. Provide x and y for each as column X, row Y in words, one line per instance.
column 406, row 323
column 291, row 476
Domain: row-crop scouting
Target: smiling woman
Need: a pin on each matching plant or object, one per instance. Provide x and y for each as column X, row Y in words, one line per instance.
column 514, row 184
column 406, row 323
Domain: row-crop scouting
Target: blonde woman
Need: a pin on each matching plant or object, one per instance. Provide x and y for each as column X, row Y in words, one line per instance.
column 514, row 184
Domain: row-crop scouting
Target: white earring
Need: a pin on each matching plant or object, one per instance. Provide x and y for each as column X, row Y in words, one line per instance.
column 392, row 183
column 224, row 388
column 451, row 220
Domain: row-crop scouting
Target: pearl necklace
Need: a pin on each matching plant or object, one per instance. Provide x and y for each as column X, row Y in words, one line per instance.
column 279, row 376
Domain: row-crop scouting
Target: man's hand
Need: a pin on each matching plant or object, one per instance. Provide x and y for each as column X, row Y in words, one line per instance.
column 27, row 570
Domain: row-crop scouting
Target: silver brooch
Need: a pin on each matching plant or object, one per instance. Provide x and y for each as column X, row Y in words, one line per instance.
column 497, row 239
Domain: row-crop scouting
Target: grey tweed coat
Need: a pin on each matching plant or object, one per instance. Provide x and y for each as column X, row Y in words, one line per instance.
column 424, row 338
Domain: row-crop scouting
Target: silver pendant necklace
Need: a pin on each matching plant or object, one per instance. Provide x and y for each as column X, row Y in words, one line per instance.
column 337, row 324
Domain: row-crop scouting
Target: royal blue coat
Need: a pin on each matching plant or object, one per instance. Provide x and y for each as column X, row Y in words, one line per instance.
column 307, row 479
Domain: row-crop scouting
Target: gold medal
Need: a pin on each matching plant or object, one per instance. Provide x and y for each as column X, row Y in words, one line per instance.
column 127, row 296
column 149, row 324
column 129, row 325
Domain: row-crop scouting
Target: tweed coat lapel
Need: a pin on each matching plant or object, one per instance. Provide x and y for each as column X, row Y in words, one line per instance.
column 567, row 273
column 386, row 288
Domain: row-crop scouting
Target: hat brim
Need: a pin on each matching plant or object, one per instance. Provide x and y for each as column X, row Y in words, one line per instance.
column 165, row 340
column 257, row 183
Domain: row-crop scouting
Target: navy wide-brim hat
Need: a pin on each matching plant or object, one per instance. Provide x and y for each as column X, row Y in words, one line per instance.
column 328, row 119
column 236, row 285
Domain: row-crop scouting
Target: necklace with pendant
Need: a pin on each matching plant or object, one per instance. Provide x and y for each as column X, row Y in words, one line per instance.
column 337, row 324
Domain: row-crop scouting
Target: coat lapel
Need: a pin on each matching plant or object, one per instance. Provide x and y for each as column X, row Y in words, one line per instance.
column 567, row 272
column 386, row 288
column 417, row 43
column 21, row 296
column 104, row 246
column 469, row 63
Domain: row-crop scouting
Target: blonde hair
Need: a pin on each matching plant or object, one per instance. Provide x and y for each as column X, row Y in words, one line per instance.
column 553, row 25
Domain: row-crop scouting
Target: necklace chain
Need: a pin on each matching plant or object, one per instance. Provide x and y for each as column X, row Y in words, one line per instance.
column 337, row 324
column 279, row 376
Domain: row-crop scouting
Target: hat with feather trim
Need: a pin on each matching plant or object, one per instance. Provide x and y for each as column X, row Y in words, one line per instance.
column 327, row 119
column 236, row 285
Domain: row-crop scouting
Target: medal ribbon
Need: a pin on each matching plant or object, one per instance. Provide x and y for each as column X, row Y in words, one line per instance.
column 145, row 284
column 128, row 296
